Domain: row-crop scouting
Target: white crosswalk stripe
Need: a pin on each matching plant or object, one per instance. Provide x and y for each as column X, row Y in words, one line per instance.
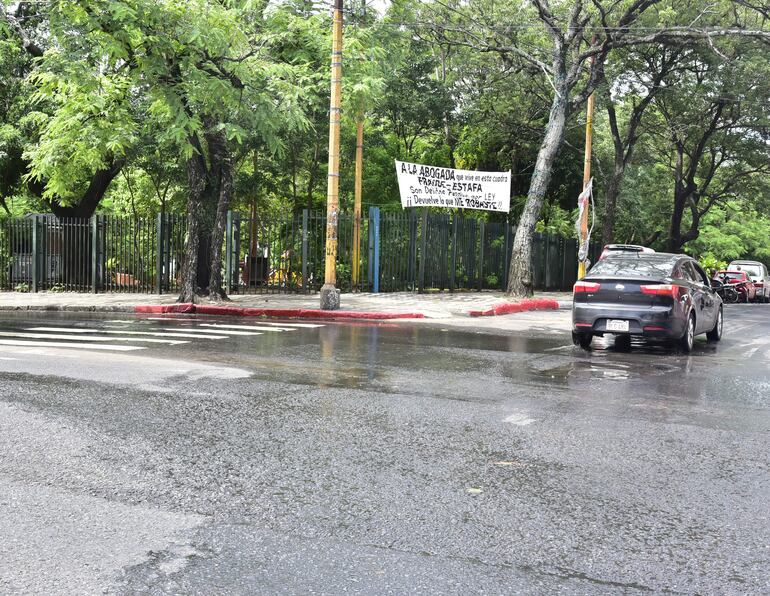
column 25, row 334
column 225, row 328
column 113, row 330
column 189, row 320
column 297, row 325
column 64, row 344
column 101, row 336
column 205, row 332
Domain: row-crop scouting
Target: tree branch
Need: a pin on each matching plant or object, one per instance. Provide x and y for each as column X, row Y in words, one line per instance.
column 545, row 14
column 31, row 47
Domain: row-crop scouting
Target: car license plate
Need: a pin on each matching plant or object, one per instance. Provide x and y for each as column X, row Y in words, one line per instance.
column 617, row 325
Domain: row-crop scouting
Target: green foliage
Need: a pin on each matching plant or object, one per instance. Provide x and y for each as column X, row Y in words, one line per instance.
column 557, row 221
column 710, row 263
column 344, row 275
column 141, row 83
column 732, row 232
column 123, row 75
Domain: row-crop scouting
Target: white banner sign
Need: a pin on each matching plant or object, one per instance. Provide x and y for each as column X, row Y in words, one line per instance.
column 431, row 186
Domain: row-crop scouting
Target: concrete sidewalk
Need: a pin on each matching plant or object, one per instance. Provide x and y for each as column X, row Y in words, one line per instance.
column 439, row 305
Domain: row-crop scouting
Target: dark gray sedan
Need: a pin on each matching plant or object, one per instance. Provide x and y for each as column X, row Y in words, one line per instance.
column 658, row 295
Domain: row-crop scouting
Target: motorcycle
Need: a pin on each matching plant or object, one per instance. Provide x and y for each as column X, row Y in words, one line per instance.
column 729, row 291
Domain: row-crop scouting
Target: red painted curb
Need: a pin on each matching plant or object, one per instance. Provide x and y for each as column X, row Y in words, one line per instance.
column 183, row 308
column 512, row 307
column 286, row 313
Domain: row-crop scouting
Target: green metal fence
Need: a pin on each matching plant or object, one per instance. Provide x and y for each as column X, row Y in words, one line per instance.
column 401, row 251
column 102, row 254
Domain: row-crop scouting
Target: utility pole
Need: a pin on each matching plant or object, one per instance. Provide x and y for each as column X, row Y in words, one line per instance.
column 358, row 187
column 586, row 179
column 358, row 192
column 330, row 295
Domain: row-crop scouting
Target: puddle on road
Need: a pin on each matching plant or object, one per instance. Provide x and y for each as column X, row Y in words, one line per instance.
column 566, row 363
column 570, row 369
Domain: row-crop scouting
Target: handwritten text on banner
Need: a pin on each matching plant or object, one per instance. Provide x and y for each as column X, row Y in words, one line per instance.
column 431, row 186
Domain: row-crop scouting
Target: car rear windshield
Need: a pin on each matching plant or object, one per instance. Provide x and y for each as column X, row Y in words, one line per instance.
column 634, row 265
column 752, row 271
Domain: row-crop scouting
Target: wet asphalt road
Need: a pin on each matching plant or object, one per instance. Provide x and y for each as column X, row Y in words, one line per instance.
column 385, row 459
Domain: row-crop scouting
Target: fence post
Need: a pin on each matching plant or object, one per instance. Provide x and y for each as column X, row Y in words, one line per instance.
column 423, row 250
column 412, row 273
column 237, row 219
column 229, row 252
column 482, row 225
column 370, row 238
column 159, row 233
column 507, row 255
column 374, row 247
column 305, row 222
column 94, row 253
column 35, row 255
column 453, row 272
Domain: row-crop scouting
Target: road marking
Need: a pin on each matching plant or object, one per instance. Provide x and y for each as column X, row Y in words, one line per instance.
column 519, row 419
column 205, row 332
column 109, row 329
column 191, row 320
column 62, row 344
column 246, row 327
column 740, row 328
column 298, row 325
column 87, row 337
column 559, row 348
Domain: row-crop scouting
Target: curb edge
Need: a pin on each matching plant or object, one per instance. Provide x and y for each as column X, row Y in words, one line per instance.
column 288, row 313
column 515, row 307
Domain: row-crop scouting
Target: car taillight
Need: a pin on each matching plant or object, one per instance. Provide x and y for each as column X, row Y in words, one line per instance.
column 759, row 284
column 672, row 290
column 585, row 286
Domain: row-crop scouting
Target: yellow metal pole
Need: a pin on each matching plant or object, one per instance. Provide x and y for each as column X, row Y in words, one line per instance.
column 357, row 196
column 586, row 178
column 330, row 295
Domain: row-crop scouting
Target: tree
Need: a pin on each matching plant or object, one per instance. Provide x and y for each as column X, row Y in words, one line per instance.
column 14, row 90
column 77, row 192
column 642, row 77
column 198, row 74
column 571, row 54
column 711, row 131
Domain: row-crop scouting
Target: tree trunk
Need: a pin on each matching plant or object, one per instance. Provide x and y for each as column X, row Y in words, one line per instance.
column 674, row 242
column 611, row 199
column 196, row 180
column 216, row 291
column 520, row 274
column 613, row 188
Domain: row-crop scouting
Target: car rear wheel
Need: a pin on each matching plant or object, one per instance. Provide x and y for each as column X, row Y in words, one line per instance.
column 582, row 339
column 716, row 333
column 688, row 338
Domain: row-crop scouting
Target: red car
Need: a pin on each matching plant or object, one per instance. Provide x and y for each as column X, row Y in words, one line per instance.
column 741, row 281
